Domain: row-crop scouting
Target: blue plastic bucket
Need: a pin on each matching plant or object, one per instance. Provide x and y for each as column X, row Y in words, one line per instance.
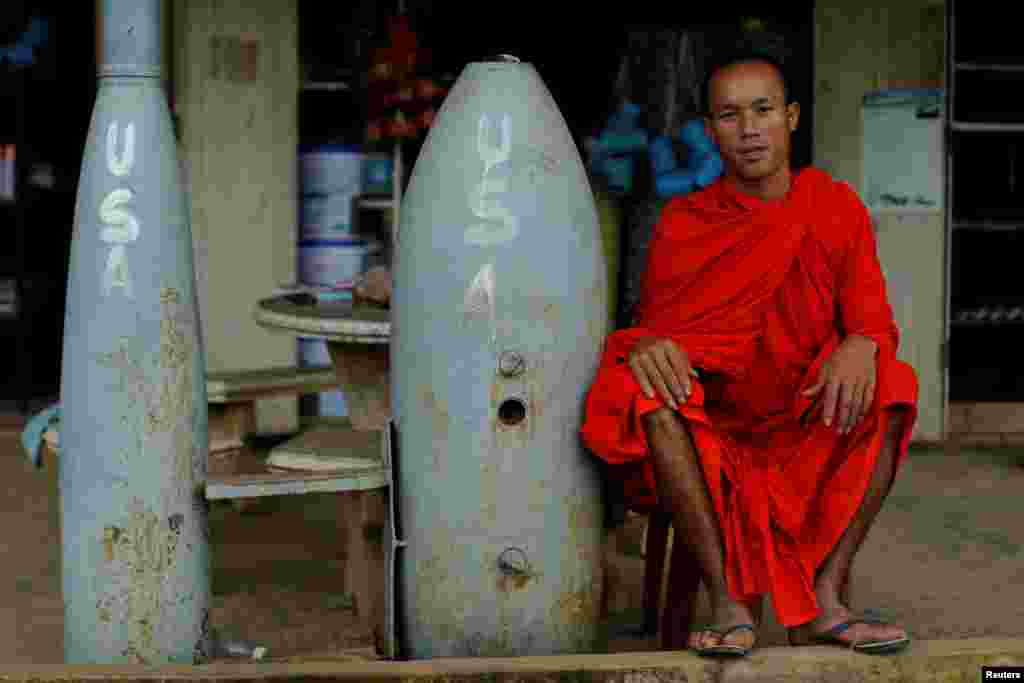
column 330, row 262
column 330, row 169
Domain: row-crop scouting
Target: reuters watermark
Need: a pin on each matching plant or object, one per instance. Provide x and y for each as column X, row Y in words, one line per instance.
column 1002, row 673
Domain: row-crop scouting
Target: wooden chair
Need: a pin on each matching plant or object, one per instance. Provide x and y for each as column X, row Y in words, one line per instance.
column 233, row 395
column 684, row 572
column 232, row 398
column 683, row 583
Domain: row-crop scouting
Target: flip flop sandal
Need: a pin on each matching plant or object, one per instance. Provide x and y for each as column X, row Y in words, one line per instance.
column 725, row 650
column 831, row 637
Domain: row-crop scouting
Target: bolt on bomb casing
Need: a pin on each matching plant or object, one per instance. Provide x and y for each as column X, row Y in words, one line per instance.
column 133, row 387
column 498, row 318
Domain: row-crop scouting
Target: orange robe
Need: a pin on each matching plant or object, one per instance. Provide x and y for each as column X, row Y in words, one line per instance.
column 759, row 294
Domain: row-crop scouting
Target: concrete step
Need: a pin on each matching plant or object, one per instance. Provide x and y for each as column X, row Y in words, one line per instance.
column 921, row 662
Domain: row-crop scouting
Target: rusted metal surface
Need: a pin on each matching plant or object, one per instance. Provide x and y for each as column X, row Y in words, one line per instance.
column 498, row 316
column 133, row 391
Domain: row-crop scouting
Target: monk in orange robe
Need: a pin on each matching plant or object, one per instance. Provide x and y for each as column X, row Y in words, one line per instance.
column 758, row 399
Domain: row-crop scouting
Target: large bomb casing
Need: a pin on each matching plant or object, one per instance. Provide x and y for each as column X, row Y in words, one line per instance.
column 499, row 314
column 133, row 391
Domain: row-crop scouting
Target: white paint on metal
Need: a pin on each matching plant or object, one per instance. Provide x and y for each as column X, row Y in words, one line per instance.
column 121, row 225
column 121, row 165
column 498, row 224
column 479, row 299
column 116, row 273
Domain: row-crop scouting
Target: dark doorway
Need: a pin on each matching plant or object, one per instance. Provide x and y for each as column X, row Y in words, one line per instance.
column 578, row 56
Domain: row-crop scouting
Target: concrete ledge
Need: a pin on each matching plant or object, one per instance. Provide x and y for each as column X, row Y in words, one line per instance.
column 948, row 661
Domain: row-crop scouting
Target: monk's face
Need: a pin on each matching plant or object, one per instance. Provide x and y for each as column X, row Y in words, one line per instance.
column 751, row 123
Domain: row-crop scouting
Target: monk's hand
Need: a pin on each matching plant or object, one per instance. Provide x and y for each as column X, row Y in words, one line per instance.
column 848, row 379
column 660, row 365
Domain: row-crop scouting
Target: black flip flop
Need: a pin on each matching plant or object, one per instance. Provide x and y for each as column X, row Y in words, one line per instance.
column 725, row 650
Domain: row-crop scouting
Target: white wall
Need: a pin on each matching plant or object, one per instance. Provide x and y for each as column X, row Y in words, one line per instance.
column 865, row 45
column 236, row 79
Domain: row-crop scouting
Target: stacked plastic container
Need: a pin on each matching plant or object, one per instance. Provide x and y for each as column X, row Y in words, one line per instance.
column 330, row 253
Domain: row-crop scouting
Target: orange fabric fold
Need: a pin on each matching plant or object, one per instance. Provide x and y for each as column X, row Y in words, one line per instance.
column 760, row 294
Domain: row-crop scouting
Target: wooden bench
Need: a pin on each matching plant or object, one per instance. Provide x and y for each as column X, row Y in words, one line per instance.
column 232, row 397
column 232, row 400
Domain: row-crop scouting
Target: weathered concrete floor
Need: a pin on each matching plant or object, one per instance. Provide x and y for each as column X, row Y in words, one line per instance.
column 924, row 662
column 944, row 560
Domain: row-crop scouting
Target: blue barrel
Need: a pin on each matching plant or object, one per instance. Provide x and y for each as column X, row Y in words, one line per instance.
column 136, row 576
column 331, row 179
column 330, row 263
column 498, row 317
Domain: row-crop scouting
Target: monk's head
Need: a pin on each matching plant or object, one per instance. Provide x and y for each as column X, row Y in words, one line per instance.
column 750, row 118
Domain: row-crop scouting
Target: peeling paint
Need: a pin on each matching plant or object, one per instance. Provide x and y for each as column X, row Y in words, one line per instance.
column 510, row 583
column 439, row 418
column 166, row 407
column 131, row 384
column 575, row 615
column 576, row 609
column 142, row 551
column 171, row 409
column 103, row 613
column 110, row 536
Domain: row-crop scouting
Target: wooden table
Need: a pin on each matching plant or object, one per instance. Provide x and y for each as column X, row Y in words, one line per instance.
column 357, row 337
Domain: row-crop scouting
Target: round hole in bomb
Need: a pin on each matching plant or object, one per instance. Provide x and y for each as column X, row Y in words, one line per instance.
column 512, row 412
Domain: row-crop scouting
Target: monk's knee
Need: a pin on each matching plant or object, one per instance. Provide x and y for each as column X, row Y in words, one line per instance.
column 663, row 421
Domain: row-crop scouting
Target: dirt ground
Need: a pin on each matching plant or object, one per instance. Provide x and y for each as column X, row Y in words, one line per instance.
column 944, row 559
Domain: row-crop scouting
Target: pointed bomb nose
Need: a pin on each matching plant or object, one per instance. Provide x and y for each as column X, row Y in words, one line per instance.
column 504, row 59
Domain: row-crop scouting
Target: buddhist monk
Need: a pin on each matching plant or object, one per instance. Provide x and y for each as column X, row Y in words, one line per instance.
column 757, row 399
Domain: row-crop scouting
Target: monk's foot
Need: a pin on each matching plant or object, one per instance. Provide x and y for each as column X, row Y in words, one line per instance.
column 841, row 626
column 725, row 615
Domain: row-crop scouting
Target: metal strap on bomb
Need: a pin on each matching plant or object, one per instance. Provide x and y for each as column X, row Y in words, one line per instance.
column 392, row 646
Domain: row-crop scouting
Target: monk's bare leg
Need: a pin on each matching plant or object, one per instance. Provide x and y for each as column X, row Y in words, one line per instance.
column 683, row 490
column 833, row 576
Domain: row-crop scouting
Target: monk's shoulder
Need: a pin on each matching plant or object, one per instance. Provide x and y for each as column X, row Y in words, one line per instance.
column 842, row 214
column 693, row 206
column 847, row 196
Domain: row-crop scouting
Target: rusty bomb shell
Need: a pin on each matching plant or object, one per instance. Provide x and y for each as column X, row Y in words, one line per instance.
column 499, row 315
column 133, row 389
